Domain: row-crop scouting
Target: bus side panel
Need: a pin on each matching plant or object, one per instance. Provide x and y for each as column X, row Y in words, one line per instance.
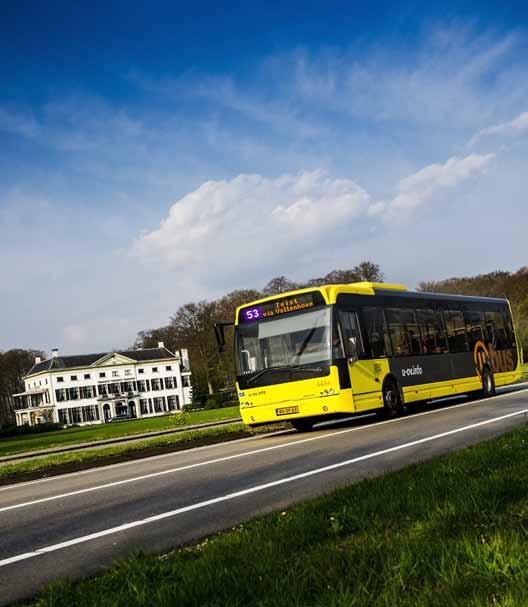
column 366, row 377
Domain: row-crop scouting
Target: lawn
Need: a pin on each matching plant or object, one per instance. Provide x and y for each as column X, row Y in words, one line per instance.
column 69, row 436
column 74, row 460
column 450, row 532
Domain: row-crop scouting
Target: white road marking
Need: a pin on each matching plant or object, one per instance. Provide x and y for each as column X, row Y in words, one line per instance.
column 228, row 457
column 243, row 492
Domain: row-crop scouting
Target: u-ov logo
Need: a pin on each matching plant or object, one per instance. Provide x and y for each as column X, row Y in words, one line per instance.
column 480, row 356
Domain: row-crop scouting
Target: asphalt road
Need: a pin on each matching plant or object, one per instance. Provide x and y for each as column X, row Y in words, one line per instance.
column 77, row 524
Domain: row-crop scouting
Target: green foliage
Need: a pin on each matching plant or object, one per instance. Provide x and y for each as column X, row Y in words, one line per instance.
column 450, row 532
column 14, row 364
column 96, row 432
column 23, row 430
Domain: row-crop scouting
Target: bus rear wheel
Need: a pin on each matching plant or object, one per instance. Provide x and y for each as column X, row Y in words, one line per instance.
column 392, row 401
column 302, row 425
column 488, row 382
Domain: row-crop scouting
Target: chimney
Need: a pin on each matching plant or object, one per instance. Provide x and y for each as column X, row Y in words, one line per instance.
column 161, row 344
column 184, row 354
column 38, row 360
column 55, row 353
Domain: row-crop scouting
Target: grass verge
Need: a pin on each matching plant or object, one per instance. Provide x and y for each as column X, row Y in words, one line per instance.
column 71, row 436
column 450, row 532
column 79, row 460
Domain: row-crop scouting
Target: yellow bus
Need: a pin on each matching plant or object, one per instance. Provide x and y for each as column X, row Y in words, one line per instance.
column 337, row 350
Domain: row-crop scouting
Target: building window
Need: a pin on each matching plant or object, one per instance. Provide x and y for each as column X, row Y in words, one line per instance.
column 141, row 386
column 154, row 369
column 102, row 390
column 158, row 405
column 73, row 377
column 60, row 379
column 87, row 391
column 73, row 393
column 115, row 373
column 143, row 404
column 90, row 413
column 102, row 374
column 60, row 395
column 128, row 372
column 156, row 384
column 86, row 376
column 141, row 370
column 169, row 383
column 186, row 382
column 63, row 416
column 168, row 368
column 75, row 415
column 173, row 402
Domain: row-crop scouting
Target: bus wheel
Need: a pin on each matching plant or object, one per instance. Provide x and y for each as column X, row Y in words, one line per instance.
column 392, row 402
column 488, row 382
column 302, row 425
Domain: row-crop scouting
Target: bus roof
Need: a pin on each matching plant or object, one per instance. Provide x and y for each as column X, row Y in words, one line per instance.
column 330, row 293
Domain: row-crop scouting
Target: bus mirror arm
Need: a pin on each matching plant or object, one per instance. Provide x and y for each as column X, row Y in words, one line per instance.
column 219, row 329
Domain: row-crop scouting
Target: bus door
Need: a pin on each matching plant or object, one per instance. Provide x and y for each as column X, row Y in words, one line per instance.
column 366, row 375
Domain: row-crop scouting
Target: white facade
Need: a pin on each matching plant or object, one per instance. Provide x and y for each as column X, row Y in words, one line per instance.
column 98, row 388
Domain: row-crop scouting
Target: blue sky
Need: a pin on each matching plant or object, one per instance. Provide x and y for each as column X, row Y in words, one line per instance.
column 155, row 154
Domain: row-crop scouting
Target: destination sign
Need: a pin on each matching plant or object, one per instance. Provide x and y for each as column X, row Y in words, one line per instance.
column 284, row 305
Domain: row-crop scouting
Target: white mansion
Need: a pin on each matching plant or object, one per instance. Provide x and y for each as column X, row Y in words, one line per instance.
column 97, row 388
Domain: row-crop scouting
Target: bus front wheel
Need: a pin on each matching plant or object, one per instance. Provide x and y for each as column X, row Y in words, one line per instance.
column 488, row 382
column 302, row 425
column 392, row 401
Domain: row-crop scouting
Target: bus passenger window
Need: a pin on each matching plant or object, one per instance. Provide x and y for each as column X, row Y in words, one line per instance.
column 433, row 332
column 474, row 327
column 456, row 331
column 496, row 331
column 404, row 332
column 377, row 333
column 508, row 327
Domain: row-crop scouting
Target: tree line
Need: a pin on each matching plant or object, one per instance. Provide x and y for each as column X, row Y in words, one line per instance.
column 14, row 364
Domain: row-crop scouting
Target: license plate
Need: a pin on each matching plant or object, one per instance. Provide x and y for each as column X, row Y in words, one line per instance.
column 287, row 410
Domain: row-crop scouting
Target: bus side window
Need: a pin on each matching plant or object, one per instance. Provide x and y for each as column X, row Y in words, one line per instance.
column 351, row 333
column 456, row 331
column 508, row 327
column 404, row 332
column 376, row 331
column 497, row 330
column 433, row 332
column 474, row 326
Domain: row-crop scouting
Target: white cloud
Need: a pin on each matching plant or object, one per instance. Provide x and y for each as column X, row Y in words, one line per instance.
column 252, row 217
column 513, row 128
column 424, row 184
column 251, row 221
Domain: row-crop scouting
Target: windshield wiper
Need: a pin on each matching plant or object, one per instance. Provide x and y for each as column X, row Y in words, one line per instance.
column 286, row 368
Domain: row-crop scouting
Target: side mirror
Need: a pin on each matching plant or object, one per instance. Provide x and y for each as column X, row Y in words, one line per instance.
column 219, row 329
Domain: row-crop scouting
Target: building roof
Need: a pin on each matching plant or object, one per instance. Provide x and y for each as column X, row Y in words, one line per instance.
column 87, row 360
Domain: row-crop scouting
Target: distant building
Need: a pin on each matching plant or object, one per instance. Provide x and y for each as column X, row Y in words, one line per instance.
column 98, row 388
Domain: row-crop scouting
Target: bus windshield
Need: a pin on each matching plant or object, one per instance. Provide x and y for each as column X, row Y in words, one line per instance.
column 287, row 341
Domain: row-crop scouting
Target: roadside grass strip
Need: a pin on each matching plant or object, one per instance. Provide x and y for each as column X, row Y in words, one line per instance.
column 449, row 532
column 77, row 460
column 71, row 436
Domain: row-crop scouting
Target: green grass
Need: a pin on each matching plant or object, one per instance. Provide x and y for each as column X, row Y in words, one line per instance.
column 450, row 532
column 184, row 439
column 70, row 436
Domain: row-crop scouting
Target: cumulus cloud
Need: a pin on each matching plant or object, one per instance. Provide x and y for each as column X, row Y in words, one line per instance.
column 416, row 189
column 249, row 218
column 513, row 128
